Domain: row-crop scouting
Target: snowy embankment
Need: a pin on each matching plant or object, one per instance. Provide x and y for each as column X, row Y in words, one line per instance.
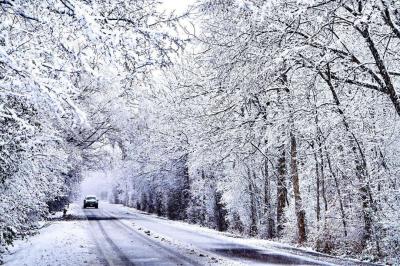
column 58, row 243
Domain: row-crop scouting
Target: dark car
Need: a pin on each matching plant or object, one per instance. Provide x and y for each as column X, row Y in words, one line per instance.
column 91, row 201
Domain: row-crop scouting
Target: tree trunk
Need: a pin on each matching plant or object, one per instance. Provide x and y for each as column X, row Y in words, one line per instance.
column 269, row 220
column 186, row 189
column 391, row 90
column 317, row 174
column 253, row 207
column 281, row 193
column 343, row 214
column 220, row 212
column 359, row 161
column 300, row 212
column 323, row 185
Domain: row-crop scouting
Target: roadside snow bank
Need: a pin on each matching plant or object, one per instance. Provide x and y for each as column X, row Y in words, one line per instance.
column 59, row 243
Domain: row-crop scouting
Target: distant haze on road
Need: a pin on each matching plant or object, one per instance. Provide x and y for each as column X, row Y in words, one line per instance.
column 96, row 182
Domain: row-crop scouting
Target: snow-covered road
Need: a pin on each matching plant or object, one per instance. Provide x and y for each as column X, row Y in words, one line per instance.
column 117, row 235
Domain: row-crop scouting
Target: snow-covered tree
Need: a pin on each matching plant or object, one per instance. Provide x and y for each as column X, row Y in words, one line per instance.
column 69, row 71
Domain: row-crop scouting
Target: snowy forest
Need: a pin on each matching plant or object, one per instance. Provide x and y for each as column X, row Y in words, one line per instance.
column 273, row 119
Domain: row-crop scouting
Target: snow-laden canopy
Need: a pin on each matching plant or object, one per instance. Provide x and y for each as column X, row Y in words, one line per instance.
column 280, row 119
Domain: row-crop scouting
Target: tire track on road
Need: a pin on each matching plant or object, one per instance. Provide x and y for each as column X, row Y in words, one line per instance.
column 120, row 254
column 178, row 258
column 118, row 251
column 103, row 259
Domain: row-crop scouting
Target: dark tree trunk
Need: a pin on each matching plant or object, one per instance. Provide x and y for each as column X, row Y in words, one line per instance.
column 253, row 207
column 317, row 174
column 300, row 212
column 343, row 214
column 359, row 161
column 269, row 220
column 323, row 184
column 220, row 212
column 391, row 90
column 281, row 193
column 186, row 189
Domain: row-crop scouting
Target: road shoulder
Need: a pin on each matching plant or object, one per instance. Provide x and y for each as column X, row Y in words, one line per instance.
column 59, row 243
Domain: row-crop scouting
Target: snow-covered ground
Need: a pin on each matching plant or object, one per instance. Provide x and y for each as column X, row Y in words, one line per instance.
column 118, row 235
column 58, row 243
